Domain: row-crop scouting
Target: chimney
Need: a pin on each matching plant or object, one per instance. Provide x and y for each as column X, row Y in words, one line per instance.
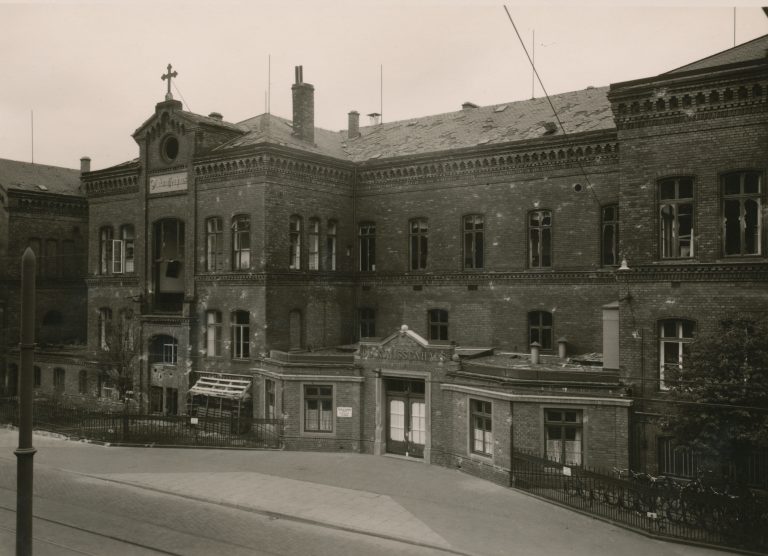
column 353, row 129
column 85, row 165
column 216, row 116
column 303, row 108
column 375, row 118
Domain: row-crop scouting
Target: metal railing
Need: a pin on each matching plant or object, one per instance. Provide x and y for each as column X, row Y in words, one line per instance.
column 689, row 511
column 125, row 427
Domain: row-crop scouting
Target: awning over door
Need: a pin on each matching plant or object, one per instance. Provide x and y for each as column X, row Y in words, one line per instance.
column 230, row 388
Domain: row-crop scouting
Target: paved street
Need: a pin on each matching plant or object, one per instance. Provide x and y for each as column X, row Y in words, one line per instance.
column 92, row 499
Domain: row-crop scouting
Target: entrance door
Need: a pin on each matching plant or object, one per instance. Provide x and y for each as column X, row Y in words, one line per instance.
column 406, row 417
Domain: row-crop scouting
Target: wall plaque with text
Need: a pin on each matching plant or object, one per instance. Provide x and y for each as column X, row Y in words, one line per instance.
column 166, row 183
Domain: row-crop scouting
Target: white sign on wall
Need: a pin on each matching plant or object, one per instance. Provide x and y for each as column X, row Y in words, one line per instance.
column 168, row 182
column 343, row 412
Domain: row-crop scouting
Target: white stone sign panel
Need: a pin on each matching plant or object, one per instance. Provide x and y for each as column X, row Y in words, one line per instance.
column 166, row 183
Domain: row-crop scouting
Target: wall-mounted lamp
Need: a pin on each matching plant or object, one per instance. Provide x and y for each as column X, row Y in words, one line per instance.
column 624, row 265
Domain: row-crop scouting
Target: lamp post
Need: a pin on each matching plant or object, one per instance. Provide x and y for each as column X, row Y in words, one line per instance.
column 25, row 452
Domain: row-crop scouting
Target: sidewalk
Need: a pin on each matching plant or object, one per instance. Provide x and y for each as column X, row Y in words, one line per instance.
column 388, row 497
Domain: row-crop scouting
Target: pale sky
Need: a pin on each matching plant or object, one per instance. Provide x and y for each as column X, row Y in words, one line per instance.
column 91, row 71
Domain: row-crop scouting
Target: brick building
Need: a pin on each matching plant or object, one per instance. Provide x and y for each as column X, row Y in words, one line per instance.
column 248, row 251
column 43, row 207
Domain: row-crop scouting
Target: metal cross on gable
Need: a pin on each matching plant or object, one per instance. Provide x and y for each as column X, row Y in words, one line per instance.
column 170, row 75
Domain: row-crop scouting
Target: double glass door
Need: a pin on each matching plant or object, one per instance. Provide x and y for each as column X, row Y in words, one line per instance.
column 406, row 417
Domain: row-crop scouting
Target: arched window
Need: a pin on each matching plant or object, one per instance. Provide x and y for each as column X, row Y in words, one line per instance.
column 367, row 243
column 675, row 336
column 330, row 245
column 105, row 327
column 213, row 333
column 241, row 334
column 59, row 380
column 314, row 244
column 105, row 249
column 742, row 212
column 474, row 247
column 127, row 236
column 540, row 239
column 540, row 329
column 214, row 244
column 241, row 242
column 418, row 232
column 82, row 382
column 676, row 217
column 294, row 239
column 163, row 349
column 51, row 267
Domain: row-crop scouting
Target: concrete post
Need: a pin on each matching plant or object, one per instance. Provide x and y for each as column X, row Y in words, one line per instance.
column 535, row 346
column 25, row 452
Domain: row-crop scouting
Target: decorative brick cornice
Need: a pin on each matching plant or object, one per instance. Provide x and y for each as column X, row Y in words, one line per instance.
column 688, row 102
column 512, row 161
column 112, row 281
column 272, row 165
column 113, row 184
column 277, row 278
column 756, row 272
column 61, row 205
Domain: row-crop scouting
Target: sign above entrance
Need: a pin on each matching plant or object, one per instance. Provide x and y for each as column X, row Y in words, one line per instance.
column 405, row 345
column 166, row 183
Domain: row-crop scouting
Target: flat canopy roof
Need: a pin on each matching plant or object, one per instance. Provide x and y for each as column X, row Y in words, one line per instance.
column 230, row 388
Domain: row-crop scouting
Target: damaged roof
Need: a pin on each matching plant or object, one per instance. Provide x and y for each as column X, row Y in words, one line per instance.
column 579, row 111
column 39, row 178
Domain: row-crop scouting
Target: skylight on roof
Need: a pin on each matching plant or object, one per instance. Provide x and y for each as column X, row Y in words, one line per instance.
column 500, row 108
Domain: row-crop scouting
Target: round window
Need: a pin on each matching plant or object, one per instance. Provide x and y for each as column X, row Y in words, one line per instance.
column 170, row 148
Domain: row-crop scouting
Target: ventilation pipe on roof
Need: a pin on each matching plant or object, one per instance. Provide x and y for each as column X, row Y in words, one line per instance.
column 375, row 118
column 85, row 165
column 469, row 105
column 216, row 116
column 303, row 108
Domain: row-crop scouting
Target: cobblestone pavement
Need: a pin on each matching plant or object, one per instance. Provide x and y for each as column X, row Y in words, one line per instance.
column 422, row 508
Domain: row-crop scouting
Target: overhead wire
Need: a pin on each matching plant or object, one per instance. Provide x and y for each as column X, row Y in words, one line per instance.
column 589, row 185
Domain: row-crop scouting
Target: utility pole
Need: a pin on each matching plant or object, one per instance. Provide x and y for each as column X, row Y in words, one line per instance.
column 25, row 452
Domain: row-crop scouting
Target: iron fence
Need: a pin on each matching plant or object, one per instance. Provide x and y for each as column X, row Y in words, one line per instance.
column 689, row 511
column 128, row 427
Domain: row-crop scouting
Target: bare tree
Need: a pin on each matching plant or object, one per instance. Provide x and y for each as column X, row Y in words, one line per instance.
column 118, row 354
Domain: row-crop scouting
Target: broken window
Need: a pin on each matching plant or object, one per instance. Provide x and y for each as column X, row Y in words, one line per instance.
column 314, row 244
column 418, row 232
column 676, row 217
column 474, row 225
column 741, row 213
column 610, row 235
column 330, row 245
column 540, row 239
column 105, row 249
column 294, row 238
column 241, row 242
column 367, row 238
